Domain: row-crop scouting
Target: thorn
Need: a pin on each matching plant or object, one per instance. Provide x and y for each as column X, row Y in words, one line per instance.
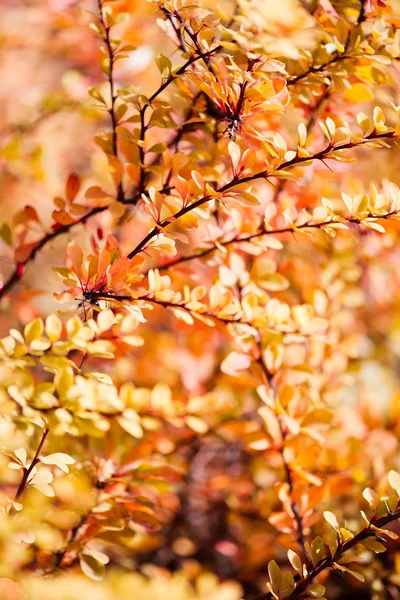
column 327, row 166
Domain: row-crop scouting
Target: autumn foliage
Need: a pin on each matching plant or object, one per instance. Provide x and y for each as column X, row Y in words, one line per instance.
column 199, row 300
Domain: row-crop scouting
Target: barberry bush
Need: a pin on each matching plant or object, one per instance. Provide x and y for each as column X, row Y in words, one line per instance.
column 211, row 409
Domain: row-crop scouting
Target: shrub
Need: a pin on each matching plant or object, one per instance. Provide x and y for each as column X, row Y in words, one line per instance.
column 213, row 413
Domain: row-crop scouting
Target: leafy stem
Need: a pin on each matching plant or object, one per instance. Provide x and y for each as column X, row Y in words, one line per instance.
column 263, row 231
column 329, row 561
column 265, row 174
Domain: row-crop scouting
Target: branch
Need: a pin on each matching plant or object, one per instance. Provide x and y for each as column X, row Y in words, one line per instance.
column 328, row 562
column 336, row 58
column 154, row 96
column 193, row 37
column 164, row 304
column 279, row 188
column 28, row 471
column 262, row 232
column 289, row 477
column 19, row 269
column 114, row 123
column 297, row 160
column 315, row 70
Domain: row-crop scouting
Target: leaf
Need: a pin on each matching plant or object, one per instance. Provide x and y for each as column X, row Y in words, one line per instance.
column 359, row 92
column 164, row 65
column 235, row 362
column 116, row 209
column 275, row 575
column 133, row 340
column 131, row 426
column 317, row 550
column 75, row 253
column 45, row 489
column 72, row 187
column 40, row 477
column 21, row 455
column 394, row 481
column 105, row 320
column 197, row 424
column 53, row 327
column 273, row 283
column 295, row 561
column 234, row 152
column 5, row 233
column 33, row 330
column 374, row 545
column 58, row 459
column 330, row 517
column 95, row 192
column 315, row 590
column 145, row 520
column 371, row 497
column 344, row 569
column 62, row 217
column 91, row 567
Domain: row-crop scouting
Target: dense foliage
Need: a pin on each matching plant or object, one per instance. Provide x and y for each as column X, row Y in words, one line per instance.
column 213, row 412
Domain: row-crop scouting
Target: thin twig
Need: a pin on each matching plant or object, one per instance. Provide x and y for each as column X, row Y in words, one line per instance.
column 28, row 471
column 110, row 77
column 289, row 477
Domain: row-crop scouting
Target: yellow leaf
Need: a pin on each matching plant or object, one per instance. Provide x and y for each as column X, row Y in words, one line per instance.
column 33, row 330
column 359, row 92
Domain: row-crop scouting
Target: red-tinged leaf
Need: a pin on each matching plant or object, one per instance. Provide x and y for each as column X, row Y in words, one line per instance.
column 198, row 179
column 31, row 214
column 132, row 171
column 95, row 192
column 118, row 271
column 104, row 261
column 145, row 520
column 75, row 254
column 116, row 169
column 329, row 9
column 234, row 152
column 136, row 263
column 62, row 217
column 72, row 187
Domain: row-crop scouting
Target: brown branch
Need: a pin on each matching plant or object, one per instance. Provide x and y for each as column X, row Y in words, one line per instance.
column 110, row 77
column 314, row 70
column 289, row 477
column 328, row 562
column 193, row 37
column 175, row 305
column 164, row 304
column 19, row 270
column 336, row 58
column 297, row 160
column 28, row 471
column 143, row 110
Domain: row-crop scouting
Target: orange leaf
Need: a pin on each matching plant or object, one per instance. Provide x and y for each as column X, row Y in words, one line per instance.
column 72, row 187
